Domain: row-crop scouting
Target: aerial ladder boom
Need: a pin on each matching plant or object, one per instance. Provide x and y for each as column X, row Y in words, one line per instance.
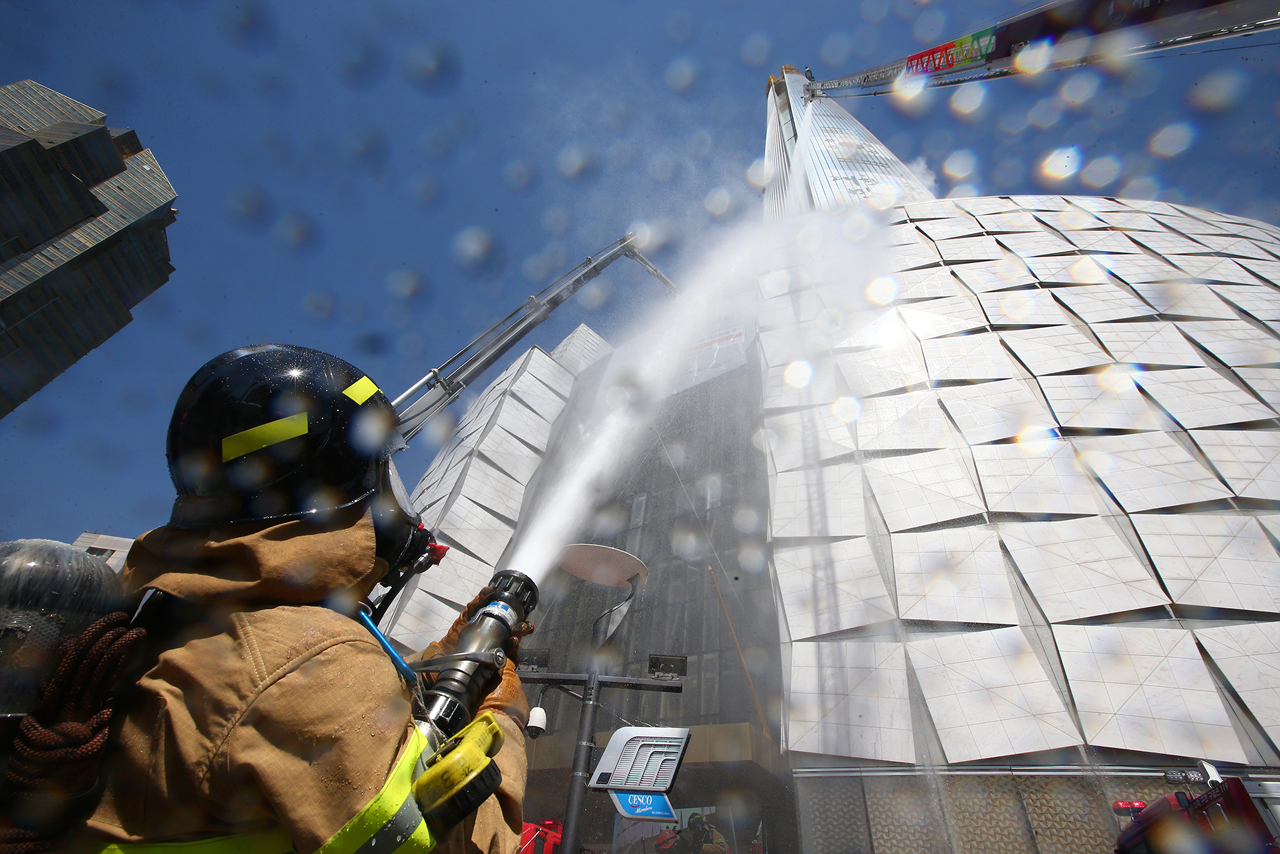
column 1080, row 32
column 441, row 386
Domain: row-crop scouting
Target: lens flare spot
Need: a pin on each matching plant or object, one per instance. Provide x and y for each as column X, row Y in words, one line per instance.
column 764, row 440
column 1074, row 47
column 1217, row 90
column 968, row 98
column 717, row 202
column 960, row 164
column 1114, row 379
column 776, row 283
column 929, row 25
column 908, row 86
column 1080, row 89
column 1012, row 123
column 798, row 374
column 1145, row 187
column 751, row 559
column 882, row 290
column 1018, row 305
column 1098, row 462
column 847, row 409
column 810, row 238
column 940, row 586
column 746, row 520
column 1036, row 438
column 1078, row 219
column 1101, row 172
column 857, row 226
column 573, row 160
column 754, row 52
column 760, row 172
column 1087, row 271
column 1035, row 57
column 680, row 74
column 830, row 320
column 1010, row 267
column 1061, row 163
column 1172, row 140
column 1046, row 113
column 883, row 196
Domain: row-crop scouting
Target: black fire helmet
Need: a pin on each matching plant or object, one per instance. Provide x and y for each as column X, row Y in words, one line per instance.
column 277, row 432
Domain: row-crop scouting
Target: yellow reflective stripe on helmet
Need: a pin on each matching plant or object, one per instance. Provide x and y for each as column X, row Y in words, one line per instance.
column 263, row 436
column 274, row 841
column 392, row 822
column 361, row 390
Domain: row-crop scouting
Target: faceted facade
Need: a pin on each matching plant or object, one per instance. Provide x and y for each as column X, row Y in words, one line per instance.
column 471, row 493
column 1024, row 523
column 83, row 213
column 1063, row 470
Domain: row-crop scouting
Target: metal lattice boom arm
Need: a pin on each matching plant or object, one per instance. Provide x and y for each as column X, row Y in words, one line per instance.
column 441, row 386
column 1080, row 32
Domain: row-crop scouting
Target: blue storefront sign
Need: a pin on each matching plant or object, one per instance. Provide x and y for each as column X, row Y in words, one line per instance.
column 643, row 806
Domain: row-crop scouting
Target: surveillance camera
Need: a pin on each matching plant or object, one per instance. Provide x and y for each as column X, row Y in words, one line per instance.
column 1211, row 773
column 537, row 722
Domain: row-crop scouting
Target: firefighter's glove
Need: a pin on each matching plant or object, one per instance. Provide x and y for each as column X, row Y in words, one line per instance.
column 449, row 643
column 512, row 646
column 507, row 696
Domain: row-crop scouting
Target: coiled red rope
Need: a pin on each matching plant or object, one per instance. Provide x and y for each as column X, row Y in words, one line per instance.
column 50, row 780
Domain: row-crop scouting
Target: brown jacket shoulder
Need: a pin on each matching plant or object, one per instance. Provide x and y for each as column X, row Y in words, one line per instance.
column 292, row 716
column 272, row 712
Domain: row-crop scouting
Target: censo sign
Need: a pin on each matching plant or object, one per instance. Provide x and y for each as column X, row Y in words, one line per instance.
column 643, row 806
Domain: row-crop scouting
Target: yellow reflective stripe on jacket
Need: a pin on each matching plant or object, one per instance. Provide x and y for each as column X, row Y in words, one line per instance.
column 392, row 822
column 389, row 824
column 274, row 841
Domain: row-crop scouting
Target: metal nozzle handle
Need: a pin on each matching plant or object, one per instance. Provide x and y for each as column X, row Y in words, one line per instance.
column 494, row 658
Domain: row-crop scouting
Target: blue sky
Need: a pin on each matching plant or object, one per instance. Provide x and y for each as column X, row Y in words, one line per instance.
column 382, row 180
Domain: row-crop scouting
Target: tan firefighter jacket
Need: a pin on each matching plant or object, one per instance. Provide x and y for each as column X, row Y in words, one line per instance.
column 277, row 722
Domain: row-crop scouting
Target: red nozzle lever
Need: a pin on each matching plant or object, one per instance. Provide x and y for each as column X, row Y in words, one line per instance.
column 437, row 552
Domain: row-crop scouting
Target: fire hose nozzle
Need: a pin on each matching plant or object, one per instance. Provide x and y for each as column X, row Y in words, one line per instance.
column 452, row 701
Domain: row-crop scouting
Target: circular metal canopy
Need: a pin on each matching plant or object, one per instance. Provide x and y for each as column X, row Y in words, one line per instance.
column 602, row 565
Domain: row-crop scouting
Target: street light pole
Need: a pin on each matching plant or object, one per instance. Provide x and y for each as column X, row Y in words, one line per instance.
column 582, row 753
column 608, row 567
column 593, row 683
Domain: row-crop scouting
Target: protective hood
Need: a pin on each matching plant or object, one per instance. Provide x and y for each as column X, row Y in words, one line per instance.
column 288, row 563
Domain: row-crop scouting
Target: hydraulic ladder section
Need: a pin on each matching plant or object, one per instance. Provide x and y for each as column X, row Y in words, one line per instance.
column 441, row 386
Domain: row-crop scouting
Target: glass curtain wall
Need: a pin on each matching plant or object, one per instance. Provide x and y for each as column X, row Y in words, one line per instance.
column 692, row 507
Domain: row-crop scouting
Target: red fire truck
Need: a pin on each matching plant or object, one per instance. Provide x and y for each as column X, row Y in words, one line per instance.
column 541, row 838
column 1223, row 820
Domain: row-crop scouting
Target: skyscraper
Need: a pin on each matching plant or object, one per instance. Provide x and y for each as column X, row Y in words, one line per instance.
column 1004, row 555
column 83, row 213
column 1062, row 577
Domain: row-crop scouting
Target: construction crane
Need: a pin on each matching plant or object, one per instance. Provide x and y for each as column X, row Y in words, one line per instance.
column 442, row 385
column 1061, row 34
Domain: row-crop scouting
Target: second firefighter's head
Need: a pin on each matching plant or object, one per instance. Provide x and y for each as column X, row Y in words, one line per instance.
column 276, row 432
column 49, row 591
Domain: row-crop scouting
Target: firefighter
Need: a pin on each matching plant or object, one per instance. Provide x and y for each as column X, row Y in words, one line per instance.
column 704, row 837
column 48, row 591
column 270, row 720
